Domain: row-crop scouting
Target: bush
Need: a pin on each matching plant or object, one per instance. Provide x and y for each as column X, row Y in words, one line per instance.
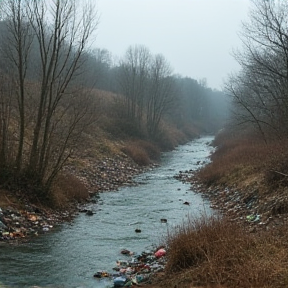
column 151, row 149
column 169, row 137
column 235, row 158
column 121, row 128
column 216, row 251
column 68, row 188
column 137, row 153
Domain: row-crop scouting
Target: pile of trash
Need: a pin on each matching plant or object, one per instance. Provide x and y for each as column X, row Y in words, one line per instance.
column 137, row 269
column 20, row 224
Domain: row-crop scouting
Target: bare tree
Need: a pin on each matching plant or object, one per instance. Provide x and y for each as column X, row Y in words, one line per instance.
column 261, row 88
column 133, row 79
column 20, row 38
column 161, row 93
column 6, row 112
column 59, row 33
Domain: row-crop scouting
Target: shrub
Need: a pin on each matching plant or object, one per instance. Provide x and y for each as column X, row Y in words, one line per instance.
column 142, row 152
column 68, row 188
column 169, row 137
column 137, row 153
column 216, row 251
column 276, row 175
column 235, row 158
column 150, row 148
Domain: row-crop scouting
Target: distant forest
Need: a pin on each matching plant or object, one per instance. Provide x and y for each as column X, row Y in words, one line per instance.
column 54, row 89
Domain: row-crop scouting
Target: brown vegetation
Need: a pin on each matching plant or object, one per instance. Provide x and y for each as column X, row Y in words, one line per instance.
column 246, row 177
column 242, row 158
column 256, row 171
column 142, row 152
column 215, row 252
column 68, row 188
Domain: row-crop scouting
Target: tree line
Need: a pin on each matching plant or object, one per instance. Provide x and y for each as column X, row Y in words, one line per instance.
column 49, row 73
column 148, row 92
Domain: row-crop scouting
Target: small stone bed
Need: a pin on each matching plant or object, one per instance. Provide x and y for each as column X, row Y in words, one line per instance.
column 246, row 206
column 99, row 176
column 107, row 174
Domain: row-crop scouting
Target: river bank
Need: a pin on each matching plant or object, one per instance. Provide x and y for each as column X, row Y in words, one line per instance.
column 249, row 206
column 91, row 243
column 20, row 219
column 246, row 181
column 240, row 206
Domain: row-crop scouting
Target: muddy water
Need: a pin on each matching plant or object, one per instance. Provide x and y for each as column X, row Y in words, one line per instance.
column 73, row 252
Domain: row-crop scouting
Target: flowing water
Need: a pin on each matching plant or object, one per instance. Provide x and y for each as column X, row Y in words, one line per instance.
column 71, row 254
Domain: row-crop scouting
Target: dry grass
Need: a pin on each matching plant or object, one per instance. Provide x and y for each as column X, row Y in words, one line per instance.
column 217, row 252
column 170, row 137
column 236, row 159
column 213, row 251
column 67, row 189
column 10, row 199
column 142, row 152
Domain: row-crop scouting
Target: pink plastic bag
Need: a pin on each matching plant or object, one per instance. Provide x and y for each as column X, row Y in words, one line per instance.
column 160, row 253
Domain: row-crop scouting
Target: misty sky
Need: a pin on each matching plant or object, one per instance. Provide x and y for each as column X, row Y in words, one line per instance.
column 195, row 36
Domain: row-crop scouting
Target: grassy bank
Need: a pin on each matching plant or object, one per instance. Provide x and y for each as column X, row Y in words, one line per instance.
column 246, row 182
column 215, row 252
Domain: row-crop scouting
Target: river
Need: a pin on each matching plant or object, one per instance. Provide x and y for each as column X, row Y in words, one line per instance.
column 69, row 255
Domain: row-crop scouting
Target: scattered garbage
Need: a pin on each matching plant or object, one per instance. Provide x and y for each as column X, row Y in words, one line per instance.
column 160, row 253
column 137, row 269
column 126, row 252
column 101, row 274
column 22, row 224
column 120, row 281
column 253, row 218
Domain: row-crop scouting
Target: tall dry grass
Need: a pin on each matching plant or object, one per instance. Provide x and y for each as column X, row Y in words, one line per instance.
column 236, row 158
column 66, row 189
column 142, row 152
column 211, row 251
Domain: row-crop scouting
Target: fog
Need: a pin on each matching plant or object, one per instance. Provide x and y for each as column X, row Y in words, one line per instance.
column 196, row 36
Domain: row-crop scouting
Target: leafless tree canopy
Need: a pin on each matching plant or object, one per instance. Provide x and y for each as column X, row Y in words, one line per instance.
column 148, row 88
column 260, row 90
column 48, row 68
column 42, row 49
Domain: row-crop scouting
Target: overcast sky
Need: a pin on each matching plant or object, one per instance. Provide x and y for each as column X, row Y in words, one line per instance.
column 195, row 36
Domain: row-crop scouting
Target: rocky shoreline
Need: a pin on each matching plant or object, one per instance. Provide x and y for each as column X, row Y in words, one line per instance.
column 109, row 174
column 20, row 224
column 245, row 206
